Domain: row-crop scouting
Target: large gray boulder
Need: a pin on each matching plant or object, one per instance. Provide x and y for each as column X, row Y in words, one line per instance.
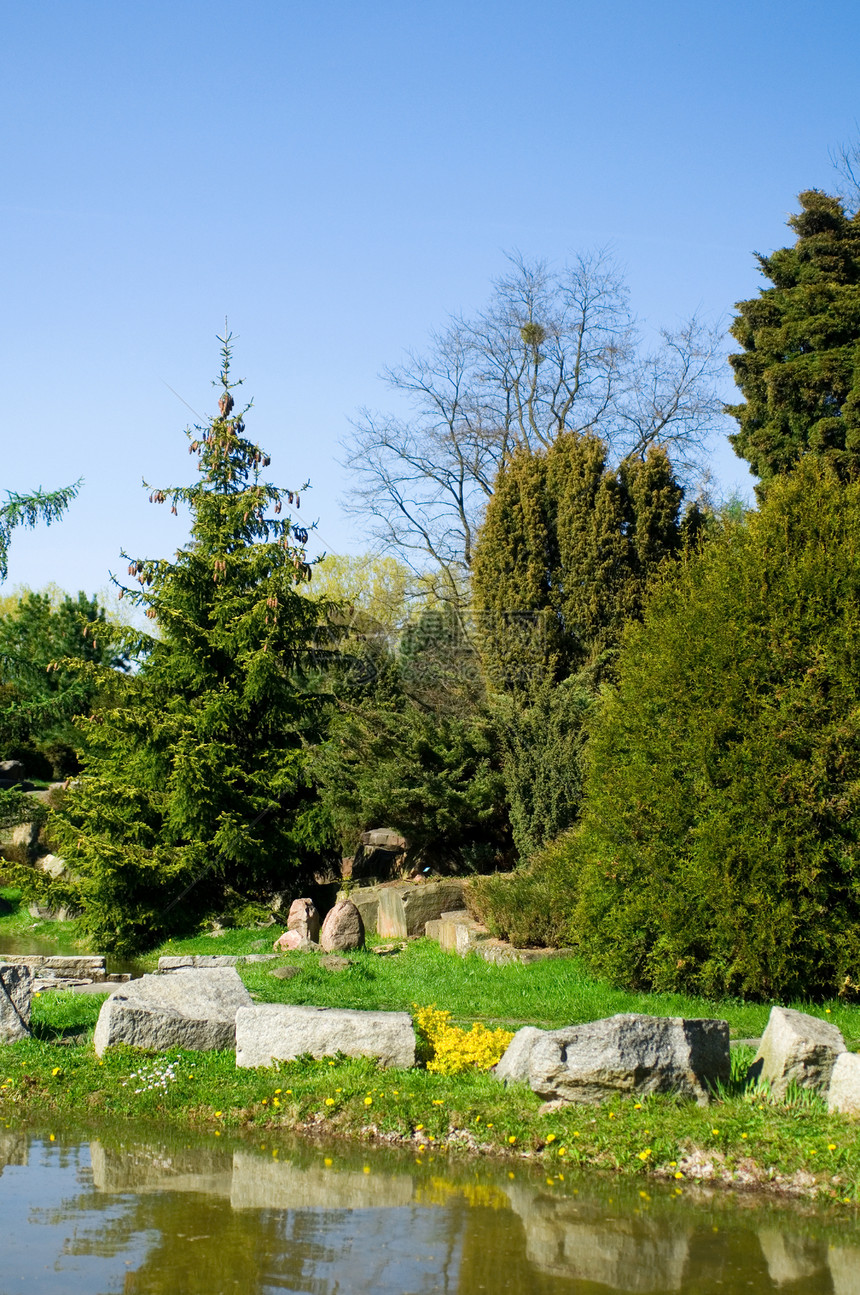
column 179, row 962
column 844, row 1092
column 343, row 929
column 190, row 1008
column 16, row 992
column 796, row 1048
column 627, row 1053
column 281, row 1032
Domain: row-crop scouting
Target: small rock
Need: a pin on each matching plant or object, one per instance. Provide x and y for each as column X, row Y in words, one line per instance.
column 844, row 1092
column 304, row 918
column 335, row 964
column 294, row 942
column 286, row 973
column 796, row 1048
column 11, row 770
column 343, row 929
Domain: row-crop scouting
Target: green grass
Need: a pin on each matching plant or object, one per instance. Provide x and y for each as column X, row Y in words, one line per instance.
column 742, row 1133
column 547, row 994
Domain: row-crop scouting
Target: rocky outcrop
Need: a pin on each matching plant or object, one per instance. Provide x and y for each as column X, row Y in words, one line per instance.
column 281, row 1032
column 796, row 1049
column 627, row 1053
column 407, row 907
column 188, row 1008
column 294, row 942
column 343, row 929
column 843, row 1094
column 16, row 991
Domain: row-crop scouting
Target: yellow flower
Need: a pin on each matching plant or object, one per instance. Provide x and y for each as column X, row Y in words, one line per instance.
column 576, row 1135
column 367, row 1169
column 831, row 1146
column 512, row 1139
column 678, row 1174
column 218, row 1114
column 437, row 1101
column 368, row 1101
column 276, row 1101
column 52, row 1137
column 264, row 1102
column 56, row 1071
column 327, row 1162
column 744, row 1135
column 550, row 1137
column 715, row 1132
column 643, row 1155
column 638, row 1106
column 562, row 1151
column 418, row 1128
column 329, row 1101
column 277, row 1090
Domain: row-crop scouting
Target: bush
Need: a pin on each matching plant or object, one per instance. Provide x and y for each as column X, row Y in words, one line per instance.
column 531, row 906
column 719, row 850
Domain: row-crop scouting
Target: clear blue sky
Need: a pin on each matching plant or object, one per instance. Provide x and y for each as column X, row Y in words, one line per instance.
column 337, row 178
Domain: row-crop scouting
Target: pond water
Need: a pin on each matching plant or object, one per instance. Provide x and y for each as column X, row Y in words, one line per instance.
column 108, row 1211
column 22, row 945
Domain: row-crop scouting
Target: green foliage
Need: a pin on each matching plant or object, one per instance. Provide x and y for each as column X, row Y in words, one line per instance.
column 29, row 509
column 720, row 850
column 564, row 556
column 435, row 778
column 531, row 906
column 196, row 778
column 542, row 740
column 799, row 371
column 46, row 643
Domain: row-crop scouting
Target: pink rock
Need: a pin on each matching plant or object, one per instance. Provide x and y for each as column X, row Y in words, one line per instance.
column 342, row 929
column 288, row 941
column 304, row 918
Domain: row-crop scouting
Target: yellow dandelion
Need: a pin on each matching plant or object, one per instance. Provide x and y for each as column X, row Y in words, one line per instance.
column 715, row 1132
column 562, row 1151
column 638, row 1106
column 329, row 1101
column 437, row 1101
column 52, row 1138
column 512, row 1139
column 56, row 1071
column 831, row 1146
column 744, row 1135
column 327, row 1162
column 418, row 1128
column 678, row 1174
column 218, row 1114
column 550, row 1137
column 368, row 1101
column 367, row 1169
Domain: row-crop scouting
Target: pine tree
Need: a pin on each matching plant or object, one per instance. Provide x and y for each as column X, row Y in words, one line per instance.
column 799, row 371
column 196, row 778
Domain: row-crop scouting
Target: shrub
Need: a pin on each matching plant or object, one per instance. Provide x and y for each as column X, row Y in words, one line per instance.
column 719, row 850
column 453, row 1049
column 531, row 906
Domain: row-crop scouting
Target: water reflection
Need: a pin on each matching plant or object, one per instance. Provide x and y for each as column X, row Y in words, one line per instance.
column 115, row 1213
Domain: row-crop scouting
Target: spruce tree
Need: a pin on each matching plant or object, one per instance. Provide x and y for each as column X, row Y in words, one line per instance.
column 196, row 781
column 799, row 371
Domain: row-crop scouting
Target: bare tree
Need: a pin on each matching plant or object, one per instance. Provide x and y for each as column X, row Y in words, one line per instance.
column 554, row 351
column 846, row 162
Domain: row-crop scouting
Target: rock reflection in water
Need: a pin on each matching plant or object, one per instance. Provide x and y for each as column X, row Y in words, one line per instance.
column 198, row 1220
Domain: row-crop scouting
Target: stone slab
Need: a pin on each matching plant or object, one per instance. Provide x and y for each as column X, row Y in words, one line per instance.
column 16, row 992
column 406, row 908
column 191, row 1008
column 271, row 1032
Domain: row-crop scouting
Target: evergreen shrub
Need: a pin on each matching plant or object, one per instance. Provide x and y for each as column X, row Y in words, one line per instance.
column 719, row 850
column 532, row 906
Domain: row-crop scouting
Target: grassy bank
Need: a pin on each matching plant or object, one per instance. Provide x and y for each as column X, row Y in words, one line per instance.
column 741, row 1137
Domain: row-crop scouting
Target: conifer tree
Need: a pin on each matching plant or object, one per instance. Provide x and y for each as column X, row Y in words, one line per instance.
column 564, row 555
column 799, row 371
column 196, row 782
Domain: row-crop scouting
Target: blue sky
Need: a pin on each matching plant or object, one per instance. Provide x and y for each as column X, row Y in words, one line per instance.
column 338, row 177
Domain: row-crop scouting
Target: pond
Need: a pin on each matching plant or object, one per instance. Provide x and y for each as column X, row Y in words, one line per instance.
column 110, row 1211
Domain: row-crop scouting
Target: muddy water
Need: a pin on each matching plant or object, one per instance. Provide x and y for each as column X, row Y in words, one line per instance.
column 110, row 1212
